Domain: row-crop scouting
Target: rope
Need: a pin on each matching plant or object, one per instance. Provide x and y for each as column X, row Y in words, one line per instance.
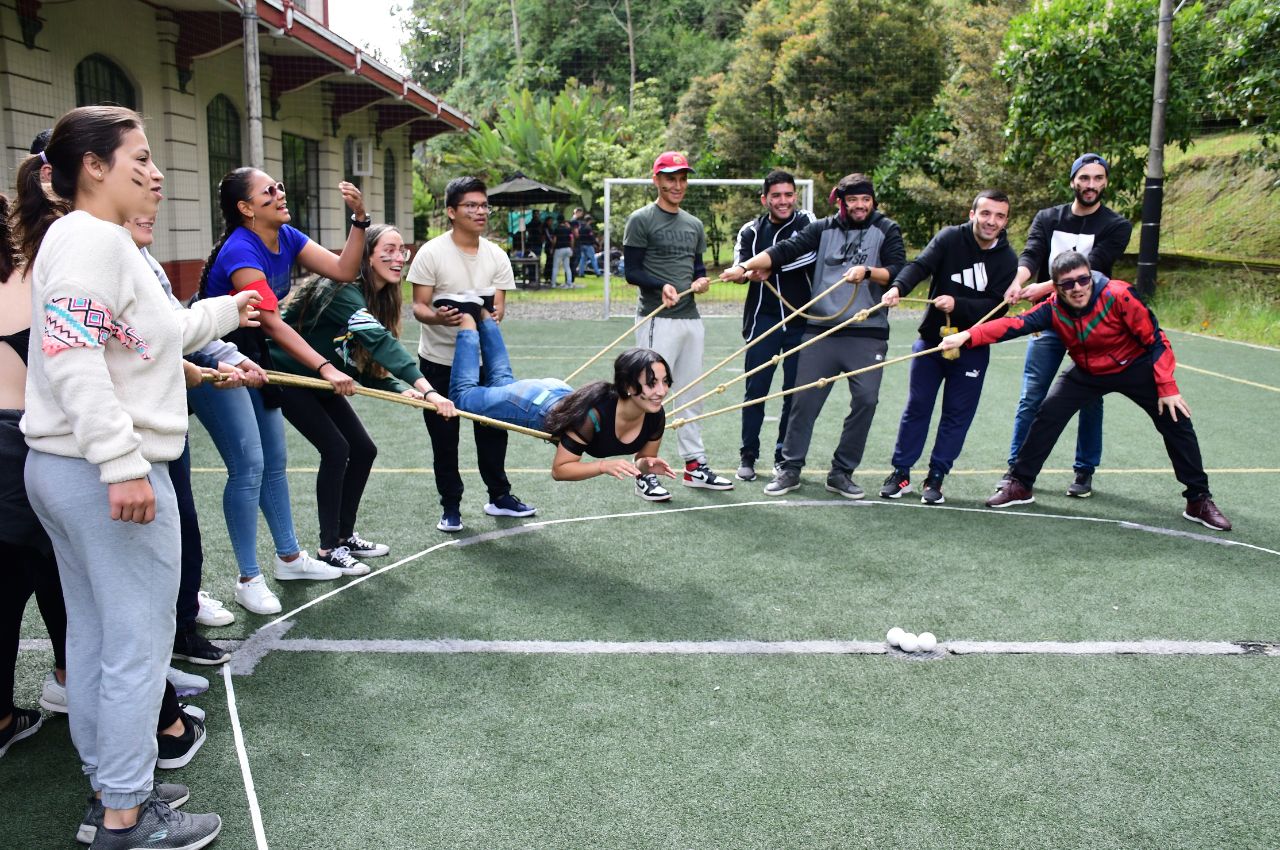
column 288, row 379
column 795, row 311
column 860, row 316
column 822, row 382
column 624, row 335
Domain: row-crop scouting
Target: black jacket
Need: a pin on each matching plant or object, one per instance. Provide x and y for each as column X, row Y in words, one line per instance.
column 1101, row 236
column 762, row 310
column 976, row 277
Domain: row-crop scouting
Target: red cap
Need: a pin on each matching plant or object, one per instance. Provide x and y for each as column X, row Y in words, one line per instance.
column 670, row 162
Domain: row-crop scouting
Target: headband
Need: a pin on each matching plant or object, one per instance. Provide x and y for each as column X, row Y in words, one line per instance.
column 43, row 158
column 862, row 187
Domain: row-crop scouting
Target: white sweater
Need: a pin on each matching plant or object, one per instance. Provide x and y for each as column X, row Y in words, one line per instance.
column 105, row 379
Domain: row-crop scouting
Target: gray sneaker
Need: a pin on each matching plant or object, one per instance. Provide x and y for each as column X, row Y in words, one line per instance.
column 167, row 792
column 160, row 827
column 746, row 470
column 840, row 482
column 1082, row 487
column 784, row 481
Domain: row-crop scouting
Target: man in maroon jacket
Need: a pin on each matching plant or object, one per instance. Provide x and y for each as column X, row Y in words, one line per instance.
column 1116, row 345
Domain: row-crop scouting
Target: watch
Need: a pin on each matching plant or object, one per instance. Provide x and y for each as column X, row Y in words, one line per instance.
column 363, row 225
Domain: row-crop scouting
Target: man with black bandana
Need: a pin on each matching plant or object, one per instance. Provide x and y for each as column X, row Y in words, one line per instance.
column 864, row 248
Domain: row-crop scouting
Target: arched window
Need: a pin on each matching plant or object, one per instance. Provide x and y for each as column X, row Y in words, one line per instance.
column 389, row 187
column 222, row 122
column 99, row 80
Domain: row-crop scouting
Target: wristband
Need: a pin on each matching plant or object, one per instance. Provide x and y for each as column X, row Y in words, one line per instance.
column 323, row 363
column 359, row 224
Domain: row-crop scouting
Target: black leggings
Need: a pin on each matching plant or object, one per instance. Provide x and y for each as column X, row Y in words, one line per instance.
column 30, row 571
column 346, row 456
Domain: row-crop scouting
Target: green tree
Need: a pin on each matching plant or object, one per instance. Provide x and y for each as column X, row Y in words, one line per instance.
column 820, row 86
column 1081, row 74
column 1244, row 70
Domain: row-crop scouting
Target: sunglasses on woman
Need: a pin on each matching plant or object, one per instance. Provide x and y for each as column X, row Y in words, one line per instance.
column 392, row 256
column 274, row 191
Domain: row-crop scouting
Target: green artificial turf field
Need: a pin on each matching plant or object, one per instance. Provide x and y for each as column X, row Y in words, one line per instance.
column 711, row 673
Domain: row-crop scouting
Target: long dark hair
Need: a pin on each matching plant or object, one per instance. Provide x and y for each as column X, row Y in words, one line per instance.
column 87, row 129
column 384, row 304
column 232, row 189
column 632, row 370
column 8, row 256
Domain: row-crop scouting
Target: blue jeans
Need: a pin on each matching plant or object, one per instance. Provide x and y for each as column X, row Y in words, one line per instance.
column 588, row 255
column 503, row 397
column 1044, row 356
column 961, row 383
column 250, row 438
column 758, row 386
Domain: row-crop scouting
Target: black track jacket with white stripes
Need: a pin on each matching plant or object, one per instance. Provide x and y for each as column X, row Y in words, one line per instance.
column 762, row 309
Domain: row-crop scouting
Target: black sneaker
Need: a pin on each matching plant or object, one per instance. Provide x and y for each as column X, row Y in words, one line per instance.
column 931, row 493
column 840, row 482
column 341, row 559
column 1082, row 487
column 509, row 505
column 190, row 645
column 784, row 481
column 171, row 793
column 897, row 483
column 178, row 750
column 450, row 520
column 161, row 827
column 746, row 469
column 24, row 723
column 362, row 548
column 649, row 488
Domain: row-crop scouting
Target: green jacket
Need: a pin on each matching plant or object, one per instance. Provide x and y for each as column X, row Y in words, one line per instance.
column 331, row 331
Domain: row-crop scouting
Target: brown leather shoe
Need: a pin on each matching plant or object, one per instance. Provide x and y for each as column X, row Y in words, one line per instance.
column 1013, row 493
column 1205, row 512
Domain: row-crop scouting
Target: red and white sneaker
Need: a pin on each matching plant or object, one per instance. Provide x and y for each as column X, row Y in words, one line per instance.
column 698, row 474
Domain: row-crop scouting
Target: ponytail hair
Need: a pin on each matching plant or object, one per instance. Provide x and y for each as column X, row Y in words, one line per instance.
column 8, row 258
column 87, row 129
column 232, row 189
column 632, row 371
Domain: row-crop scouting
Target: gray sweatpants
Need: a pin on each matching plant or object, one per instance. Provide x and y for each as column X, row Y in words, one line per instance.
column 831, row 356
column 680, row 342
column 120, row 583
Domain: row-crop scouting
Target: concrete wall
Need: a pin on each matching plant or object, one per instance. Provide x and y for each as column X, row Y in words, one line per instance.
column 38, row 85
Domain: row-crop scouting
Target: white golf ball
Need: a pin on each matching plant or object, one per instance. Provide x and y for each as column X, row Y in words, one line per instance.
column 909, row 642
column 895, row 634
column 928, row 643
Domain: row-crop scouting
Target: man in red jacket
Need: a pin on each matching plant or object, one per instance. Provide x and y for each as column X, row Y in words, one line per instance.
column 1116, row 346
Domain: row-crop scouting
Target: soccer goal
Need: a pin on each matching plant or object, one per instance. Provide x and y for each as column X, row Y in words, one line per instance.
column 748, row 206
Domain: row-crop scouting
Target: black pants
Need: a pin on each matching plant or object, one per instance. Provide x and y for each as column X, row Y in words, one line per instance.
column 1076, row 388
column 29, row 571
column 346, row 451
column 192, row 550
column 491, row 447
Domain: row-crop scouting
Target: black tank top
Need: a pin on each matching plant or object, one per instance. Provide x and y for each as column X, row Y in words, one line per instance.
column 18, row 341
column 604, row 441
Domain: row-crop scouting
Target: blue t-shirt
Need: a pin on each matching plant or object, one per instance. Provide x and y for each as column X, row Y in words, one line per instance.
column 244, row 250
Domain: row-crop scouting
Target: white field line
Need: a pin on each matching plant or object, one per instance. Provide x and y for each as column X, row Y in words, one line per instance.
column 1218, row 339
column 255, row 812
column 1231, row 378
column 457, row 646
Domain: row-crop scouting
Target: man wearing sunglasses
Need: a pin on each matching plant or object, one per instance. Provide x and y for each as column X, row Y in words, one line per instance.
column 864, row 248
column 1090, row 227
column 1116, row 345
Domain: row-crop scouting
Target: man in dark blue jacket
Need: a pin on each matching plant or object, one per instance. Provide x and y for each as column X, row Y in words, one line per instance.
column 971, row 266
column 762, row 311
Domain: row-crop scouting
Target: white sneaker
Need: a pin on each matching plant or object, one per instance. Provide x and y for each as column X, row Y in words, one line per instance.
column 213, row 612
column 53, row 696
column 305, row 567
column 342, row 560
column 186, row 684
column 255, row 596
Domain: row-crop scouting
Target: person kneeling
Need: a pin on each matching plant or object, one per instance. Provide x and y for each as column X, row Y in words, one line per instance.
column 600, row 419
column 1116, row 346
